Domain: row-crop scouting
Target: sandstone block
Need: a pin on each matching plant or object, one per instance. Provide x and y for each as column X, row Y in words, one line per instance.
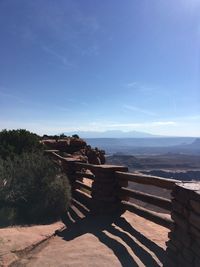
column 197, row 262
column 180, row 221
column 195, row 206
column 195, row 232
column 122, row 183
column 181, row 196
column 195, row 195
column 177, row 243
column 189, row 186
column 186, row 213
column 184, row 237
column 183, row 262
column 188, row 254
column 196, row 248
column 195, row 219
column 171, row 255
column 198, row 241
column 170, row 235
column 170, row 262
column 185, row 191
column 176, row 206
column 171, row 246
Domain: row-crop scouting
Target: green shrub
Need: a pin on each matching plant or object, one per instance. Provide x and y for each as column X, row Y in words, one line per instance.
column 7, row 216
column 3, row 182
column 17, row 142
column 75, row 136
column 34, row 187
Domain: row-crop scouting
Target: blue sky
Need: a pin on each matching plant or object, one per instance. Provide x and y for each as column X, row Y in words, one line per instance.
column 100, row 65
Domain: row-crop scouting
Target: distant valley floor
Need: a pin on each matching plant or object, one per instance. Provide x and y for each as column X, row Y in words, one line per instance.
column 177, row 166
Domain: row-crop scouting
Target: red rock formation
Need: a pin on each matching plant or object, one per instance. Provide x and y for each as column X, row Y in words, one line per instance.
column 77, row 148
column 68, row 145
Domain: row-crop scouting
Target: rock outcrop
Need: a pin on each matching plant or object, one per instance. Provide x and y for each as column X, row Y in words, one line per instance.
column 77, row 148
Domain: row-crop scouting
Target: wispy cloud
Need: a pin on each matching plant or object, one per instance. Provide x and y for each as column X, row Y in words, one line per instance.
column 142, row 124
column 54, row 126
column 92, row 50
column 129, row 126
column 62, row 59
column 140, row 110
column 195, row 117
column 4, row 94
column 63, row 109
column 131, row 85
column 163, row 123
column 65, row 23
column 70, row 103
column 90, row 24
column 139, row 86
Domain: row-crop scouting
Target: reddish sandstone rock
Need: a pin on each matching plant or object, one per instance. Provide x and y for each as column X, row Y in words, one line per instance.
column 68, row 145
column 95, row 156
column 77, row 148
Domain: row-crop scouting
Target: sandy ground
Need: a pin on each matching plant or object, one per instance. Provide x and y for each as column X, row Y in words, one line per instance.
column 14, row 239
column 98, row 241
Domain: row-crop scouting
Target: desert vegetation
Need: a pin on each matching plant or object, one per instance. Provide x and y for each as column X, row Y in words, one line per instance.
column 32, row 188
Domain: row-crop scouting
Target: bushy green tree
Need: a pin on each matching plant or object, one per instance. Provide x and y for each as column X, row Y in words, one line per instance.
column 75, row 136
column 3, row 182
column 34, row 187
column 17, row 142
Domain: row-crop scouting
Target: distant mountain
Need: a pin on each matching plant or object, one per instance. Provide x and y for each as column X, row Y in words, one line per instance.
column 111, row 134
column 132, row 143
column 131, row 146
column 195, row 144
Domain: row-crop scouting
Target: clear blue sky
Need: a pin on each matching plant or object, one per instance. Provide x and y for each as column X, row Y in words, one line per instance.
column 100, row 65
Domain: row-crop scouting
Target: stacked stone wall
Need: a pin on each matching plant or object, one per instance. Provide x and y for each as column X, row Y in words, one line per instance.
column 183, row 247
column 105, row 189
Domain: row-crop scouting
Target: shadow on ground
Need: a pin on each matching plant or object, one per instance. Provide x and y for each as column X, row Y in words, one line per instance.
column 79, row 221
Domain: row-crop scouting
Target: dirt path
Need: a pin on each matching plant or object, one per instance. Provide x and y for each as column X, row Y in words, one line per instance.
column 97, row 241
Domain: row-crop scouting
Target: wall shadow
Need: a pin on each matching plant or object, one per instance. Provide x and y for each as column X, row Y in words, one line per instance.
column 118, row 227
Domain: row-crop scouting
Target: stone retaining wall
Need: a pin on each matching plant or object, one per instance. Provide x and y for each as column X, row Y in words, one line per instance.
column 105, row 197
column 183, row 247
